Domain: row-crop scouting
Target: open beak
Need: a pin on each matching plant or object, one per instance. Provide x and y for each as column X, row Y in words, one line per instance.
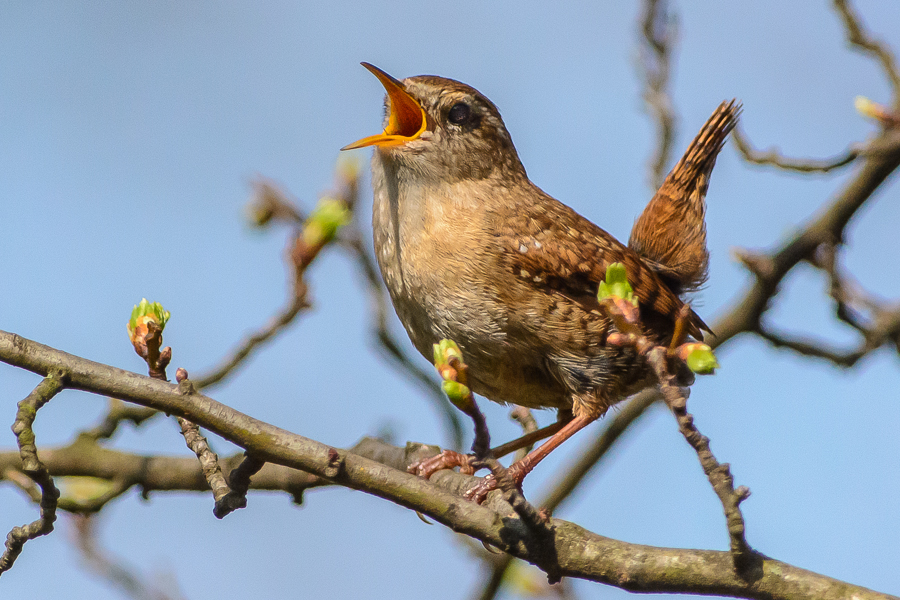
column 406, row 121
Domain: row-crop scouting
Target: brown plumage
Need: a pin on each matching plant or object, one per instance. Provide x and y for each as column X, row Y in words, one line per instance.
column 670, row 235
column 471, row 250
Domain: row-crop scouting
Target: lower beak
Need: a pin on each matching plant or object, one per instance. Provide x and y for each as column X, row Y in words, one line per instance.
column 406, row 121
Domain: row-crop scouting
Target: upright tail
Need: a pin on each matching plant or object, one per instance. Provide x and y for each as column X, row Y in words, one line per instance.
column 670, row 235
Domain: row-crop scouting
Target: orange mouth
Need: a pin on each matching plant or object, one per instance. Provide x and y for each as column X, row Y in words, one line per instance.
column 406, row 121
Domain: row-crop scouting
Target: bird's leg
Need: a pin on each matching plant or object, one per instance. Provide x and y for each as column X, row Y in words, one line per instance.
column 519, row 469
column 450, row 459
column 680, row 333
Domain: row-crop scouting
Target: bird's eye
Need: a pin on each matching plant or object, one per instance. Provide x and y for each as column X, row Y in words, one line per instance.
column 459, row 113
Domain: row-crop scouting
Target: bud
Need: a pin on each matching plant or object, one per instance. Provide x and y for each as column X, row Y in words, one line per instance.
column 867, row 108
column 444, row 351
column 460, row 395
column 616, row 285
column 327, row 217
column 144, row 313
column 699, row 358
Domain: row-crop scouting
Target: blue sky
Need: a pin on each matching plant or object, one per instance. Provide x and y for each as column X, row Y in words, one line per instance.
column 129, row 135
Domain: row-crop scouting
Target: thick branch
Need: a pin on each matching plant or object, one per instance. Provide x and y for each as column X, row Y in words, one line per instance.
column 579, row 553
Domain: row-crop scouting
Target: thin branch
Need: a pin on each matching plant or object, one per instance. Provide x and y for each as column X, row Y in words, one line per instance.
column 858, row 36
column 270, row 203
column 579, row 553
column 523, row 416
column 660, row 31
column 33, row 467
column 774, row 158
column 250, row 343
column 719, row 474
column 147, row 340
column 811, row 348
column 118, row 413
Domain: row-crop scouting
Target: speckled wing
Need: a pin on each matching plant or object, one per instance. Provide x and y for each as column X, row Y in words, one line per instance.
column 556, row 249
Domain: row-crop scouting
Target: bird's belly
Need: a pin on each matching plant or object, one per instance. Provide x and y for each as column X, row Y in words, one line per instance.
column 497, row 371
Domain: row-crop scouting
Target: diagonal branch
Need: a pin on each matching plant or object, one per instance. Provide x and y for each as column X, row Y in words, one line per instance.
column 770, row 269
column 579, row 553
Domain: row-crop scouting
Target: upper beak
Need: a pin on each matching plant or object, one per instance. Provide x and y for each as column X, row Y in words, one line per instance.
column 406, row 121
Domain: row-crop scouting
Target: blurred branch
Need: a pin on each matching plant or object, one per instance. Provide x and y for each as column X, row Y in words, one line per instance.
column 800, row 165
column 771, row 268
column 660, row 31
column 579, row 553
column 276, row 324
column 111, row 568
column 118, row 413
column 857, row 36
column 270, row 203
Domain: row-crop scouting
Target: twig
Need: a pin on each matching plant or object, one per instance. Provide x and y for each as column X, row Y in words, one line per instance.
column 239, row 482
column 246, row 347
column 828, row 226
column 774, row 158
column 660, row 30
column 529, row 424
column 147, row 341
column 34, row 468
column 272, row 203
column 810, row 347
column 118, row 412
column 719, row 474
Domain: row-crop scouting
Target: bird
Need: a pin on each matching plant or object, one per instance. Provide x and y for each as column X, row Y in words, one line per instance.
column 472, row 251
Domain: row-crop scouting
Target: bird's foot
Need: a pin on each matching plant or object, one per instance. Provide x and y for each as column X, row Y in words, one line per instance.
column 500, row 478
column 448, row 459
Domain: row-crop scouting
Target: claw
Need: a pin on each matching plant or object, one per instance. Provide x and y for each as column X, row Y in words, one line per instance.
column 510, row 478
column 448, row 459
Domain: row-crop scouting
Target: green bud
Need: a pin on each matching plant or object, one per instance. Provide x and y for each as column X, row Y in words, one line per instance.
column 616, row 284
column 445, row 350
column 701, row 360
column 327, row 217
column 148, row 311
column 459, row 395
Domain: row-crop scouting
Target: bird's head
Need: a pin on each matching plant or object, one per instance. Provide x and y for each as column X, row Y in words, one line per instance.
column 441, row 127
